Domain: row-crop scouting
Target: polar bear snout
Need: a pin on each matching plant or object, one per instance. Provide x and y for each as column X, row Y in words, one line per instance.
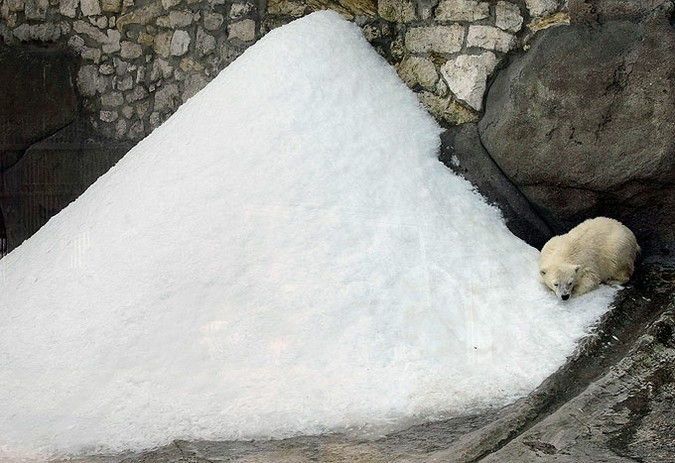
column 564, row 297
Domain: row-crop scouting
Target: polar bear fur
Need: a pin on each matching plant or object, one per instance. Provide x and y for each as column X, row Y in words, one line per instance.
column 599, row 250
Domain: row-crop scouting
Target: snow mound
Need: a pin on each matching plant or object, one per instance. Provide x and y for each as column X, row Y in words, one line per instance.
column 285, row 255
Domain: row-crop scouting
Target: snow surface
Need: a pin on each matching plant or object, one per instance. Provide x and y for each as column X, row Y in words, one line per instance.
column 284, row 256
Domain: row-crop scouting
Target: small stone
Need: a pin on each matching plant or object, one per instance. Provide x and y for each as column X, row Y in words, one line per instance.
column 180, row 19
column 108, row 116
column 490, row 38
column 76, row 43
column 145, row 39
column 15, row 5
column 120, row 129
column 141, row 108
column 242, row 30
column 37, row 32
column 435, row 39
column 539, row 8
column 68, row 8
column 123, row 83
column 102, row 22
column 180, row 43
column 36, row 9
column 137, row 94
column 508, row 17
column 192, row 85
column 127, row 112
column 418, row 71
column 213, row 21
column 111, row 6
column 161, row 69
column 284, row 8
column 167, row 98
column 90, row 7
column 462, row 10
column 106, row 69
column 168, row 4
column 155, row 120
column 399, row 11
column 82, row 27
column 91, row 54
column 136, row 131
column 467, row 75
column 205, row 43
column 130, row 50
column 162, row 44
column 447, row 109
column 112, row 42
column 238, row 10
column 112, row 99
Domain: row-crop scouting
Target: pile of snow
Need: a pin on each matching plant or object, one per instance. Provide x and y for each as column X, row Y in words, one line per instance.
column 284, row 256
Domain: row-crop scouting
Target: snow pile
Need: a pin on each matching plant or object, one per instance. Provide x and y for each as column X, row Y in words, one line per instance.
column 285, row 255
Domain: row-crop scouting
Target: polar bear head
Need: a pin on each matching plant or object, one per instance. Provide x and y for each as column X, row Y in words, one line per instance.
column 561, row 279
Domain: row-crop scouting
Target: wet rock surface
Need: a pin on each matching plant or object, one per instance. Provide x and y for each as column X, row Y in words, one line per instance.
column 610, row 402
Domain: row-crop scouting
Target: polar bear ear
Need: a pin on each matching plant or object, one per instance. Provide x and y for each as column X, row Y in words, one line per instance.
column 542, row 272
column 577, row 268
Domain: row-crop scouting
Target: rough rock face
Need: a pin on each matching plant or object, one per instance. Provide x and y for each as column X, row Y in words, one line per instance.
column 583, row 125
column 37, row 97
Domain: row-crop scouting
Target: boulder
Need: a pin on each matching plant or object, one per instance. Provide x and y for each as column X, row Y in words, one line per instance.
column 583, row 124
column 37, row 98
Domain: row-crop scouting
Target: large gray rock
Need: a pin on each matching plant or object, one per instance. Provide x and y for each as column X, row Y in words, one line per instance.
column 584, row 125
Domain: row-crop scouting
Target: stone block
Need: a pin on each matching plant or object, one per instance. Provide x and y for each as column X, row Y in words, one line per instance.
column 508, row 17
column 111, row 6
column 180, row 43
column 90, row 7
column 36, row 9
column 490, row 38
column 435, row 39
column 398, row 11
column 279, row 7
column 130, row 50
column 466, row 76
column 539, row 8
column 213, row 21
column 462, row 10
column 418, row 71
column 242, row 30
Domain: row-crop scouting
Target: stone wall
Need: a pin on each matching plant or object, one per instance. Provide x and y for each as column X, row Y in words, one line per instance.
column 140, row 59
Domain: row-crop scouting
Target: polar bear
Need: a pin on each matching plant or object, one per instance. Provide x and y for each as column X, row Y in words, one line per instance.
column 599, row 250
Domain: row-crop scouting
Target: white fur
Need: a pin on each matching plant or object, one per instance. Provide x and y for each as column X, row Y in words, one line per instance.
column 599, row 250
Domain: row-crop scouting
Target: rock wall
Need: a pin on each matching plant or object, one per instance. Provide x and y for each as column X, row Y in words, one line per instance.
column 140, row 59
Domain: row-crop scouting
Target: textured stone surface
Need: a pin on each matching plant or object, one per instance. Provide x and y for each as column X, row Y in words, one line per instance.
column 467, row 75
column 438, row 39
column 583, row 124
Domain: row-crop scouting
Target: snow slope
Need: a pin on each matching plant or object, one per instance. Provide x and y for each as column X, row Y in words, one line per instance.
column 285, row 255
